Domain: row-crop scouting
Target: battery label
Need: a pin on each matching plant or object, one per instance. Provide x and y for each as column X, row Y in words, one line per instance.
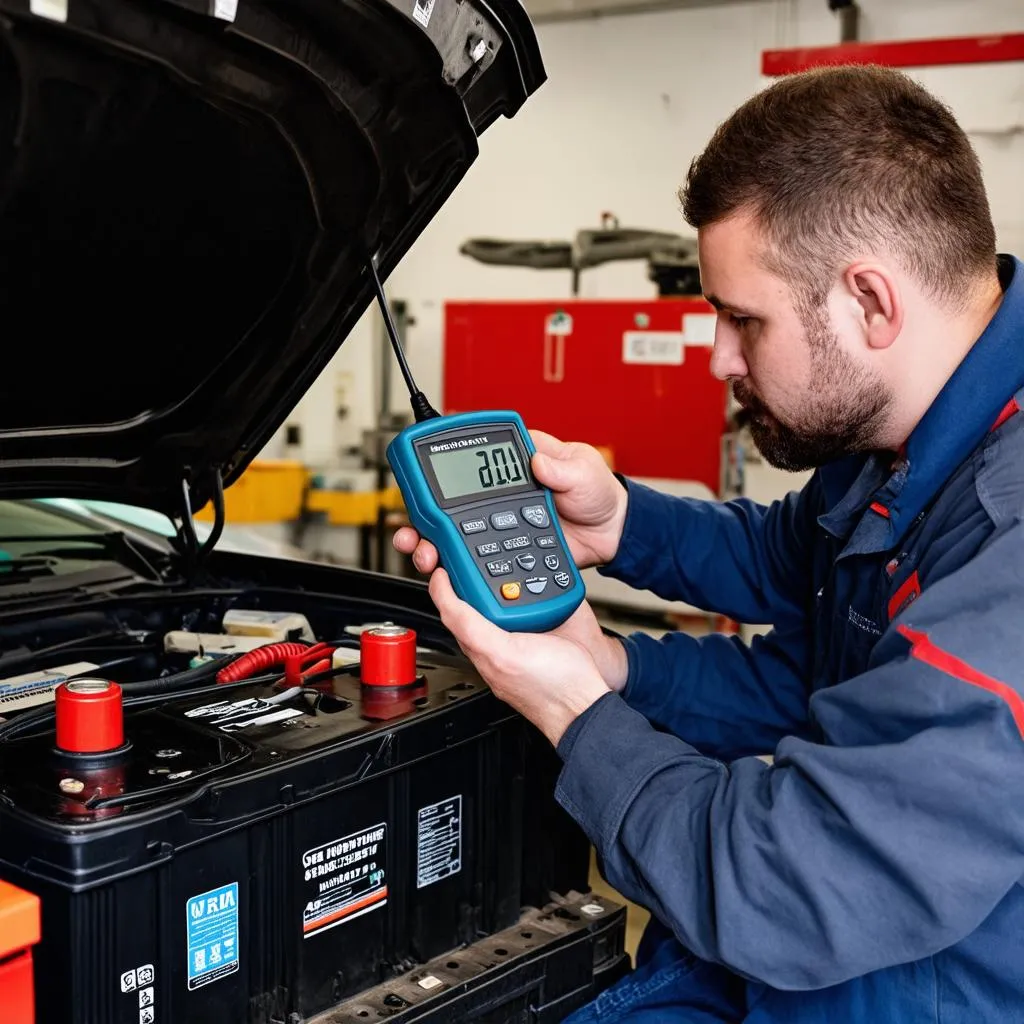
column 438, row 841
column 212, row 934
column 230, row 716
column 345, row 879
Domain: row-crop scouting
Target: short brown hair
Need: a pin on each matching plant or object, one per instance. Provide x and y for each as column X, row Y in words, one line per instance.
column 830, row 159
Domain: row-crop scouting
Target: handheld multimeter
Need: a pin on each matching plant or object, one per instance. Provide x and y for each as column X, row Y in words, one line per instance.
column 468, row 489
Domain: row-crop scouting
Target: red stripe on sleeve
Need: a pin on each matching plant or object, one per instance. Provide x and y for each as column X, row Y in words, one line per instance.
column 924, row 650
column 1010, row 409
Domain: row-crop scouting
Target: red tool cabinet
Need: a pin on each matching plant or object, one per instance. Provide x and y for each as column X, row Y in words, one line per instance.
column 630, row 376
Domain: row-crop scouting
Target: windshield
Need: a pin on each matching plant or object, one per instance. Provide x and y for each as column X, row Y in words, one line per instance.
column 41, row 541
column 144, row 518
column 270, row 539
column 34, row 519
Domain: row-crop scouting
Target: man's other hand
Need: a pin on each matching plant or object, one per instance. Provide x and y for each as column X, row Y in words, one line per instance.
column 549, row 678
column 582, row 627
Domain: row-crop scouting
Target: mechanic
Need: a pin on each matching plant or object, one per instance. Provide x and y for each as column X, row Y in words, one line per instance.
column 872, row 871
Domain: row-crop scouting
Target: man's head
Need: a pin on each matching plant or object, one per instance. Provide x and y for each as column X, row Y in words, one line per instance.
column 837, row 212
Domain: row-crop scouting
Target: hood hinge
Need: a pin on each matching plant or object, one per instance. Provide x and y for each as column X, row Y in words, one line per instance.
column 187, row 540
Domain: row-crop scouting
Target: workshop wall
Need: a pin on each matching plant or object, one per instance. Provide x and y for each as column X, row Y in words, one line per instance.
column 628, row 102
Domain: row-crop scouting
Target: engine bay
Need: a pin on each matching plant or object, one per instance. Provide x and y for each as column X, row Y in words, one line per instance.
column 272, row 804
column 264, row 673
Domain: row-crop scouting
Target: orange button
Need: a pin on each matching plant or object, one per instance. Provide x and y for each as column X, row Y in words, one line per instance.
column 510, row 591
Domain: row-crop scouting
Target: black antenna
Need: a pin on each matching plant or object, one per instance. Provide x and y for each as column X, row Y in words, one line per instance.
column 421, row 407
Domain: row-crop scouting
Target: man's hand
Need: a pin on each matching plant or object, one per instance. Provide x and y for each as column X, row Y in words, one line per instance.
column 581, row 628
column 591, row 504
column 550, row 678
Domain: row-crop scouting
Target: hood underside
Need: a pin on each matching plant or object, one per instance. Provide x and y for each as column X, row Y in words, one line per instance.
column 189, row 195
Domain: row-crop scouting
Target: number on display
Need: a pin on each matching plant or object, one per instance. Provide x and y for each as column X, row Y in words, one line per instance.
column 500, row 466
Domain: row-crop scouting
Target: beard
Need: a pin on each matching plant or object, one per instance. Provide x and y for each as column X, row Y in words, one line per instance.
column 846, row 408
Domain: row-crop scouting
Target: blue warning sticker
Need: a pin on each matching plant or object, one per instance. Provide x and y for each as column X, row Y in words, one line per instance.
column 212, row 930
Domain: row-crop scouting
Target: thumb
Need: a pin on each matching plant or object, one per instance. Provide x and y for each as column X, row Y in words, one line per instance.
column 561, row 471
column 547, row 443
column 467, row 625
column 558, row 474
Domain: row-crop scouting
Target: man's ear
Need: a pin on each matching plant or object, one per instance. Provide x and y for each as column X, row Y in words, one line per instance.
column 877, row 292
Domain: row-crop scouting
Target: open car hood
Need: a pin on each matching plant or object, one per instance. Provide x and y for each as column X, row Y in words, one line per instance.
column 189, row 194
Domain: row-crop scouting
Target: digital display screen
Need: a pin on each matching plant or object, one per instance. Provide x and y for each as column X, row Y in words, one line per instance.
column 478, row 468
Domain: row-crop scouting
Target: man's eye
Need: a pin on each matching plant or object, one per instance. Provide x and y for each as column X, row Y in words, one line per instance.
column 739, row 321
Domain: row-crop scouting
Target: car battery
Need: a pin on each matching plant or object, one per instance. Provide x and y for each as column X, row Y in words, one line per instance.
column 259, row 855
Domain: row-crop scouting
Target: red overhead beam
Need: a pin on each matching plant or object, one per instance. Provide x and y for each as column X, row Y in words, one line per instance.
column 910, row 53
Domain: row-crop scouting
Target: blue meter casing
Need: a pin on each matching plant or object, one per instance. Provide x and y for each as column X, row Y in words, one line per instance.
column 469, row 489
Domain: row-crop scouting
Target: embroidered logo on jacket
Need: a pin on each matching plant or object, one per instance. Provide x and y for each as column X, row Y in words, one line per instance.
column 862, row 622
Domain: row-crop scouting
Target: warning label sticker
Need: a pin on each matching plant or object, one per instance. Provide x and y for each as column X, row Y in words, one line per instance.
column 345, row 878
column 212, row 933
column 230, row 716
column 422, row 10
column 439, row 841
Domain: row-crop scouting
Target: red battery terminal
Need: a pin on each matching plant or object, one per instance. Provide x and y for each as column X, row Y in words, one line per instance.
column 387, row 656
column 90, row 719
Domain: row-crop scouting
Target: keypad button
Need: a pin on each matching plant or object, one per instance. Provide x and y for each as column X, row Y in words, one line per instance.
column 526, row 562
column 500, row 567
column 546, row 542
column 536, row 515
column 516, row 543
column 510, row 591
column 536, row 584
column 492, row 547
column 563, row 579
column 552, row 562
column 504, row 520
column 473, row 525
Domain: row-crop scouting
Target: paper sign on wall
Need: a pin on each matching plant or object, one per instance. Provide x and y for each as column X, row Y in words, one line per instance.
column 659, row 348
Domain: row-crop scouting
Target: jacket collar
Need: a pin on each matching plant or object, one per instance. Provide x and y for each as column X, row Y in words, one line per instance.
column 955, row 424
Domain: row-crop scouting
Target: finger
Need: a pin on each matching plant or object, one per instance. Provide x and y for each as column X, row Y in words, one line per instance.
column 561, row 471
column 547, row 443
column 405, row 540
column 425, row 557
column 467, row 625
column 556, row 463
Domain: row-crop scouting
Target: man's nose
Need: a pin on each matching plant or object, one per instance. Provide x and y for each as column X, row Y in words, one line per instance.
column 727, row 356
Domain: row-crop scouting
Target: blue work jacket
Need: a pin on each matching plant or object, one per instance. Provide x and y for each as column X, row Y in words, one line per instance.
column 873, row 872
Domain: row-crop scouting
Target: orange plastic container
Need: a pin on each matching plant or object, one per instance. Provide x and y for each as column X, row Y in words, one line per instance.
column 19, row 932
